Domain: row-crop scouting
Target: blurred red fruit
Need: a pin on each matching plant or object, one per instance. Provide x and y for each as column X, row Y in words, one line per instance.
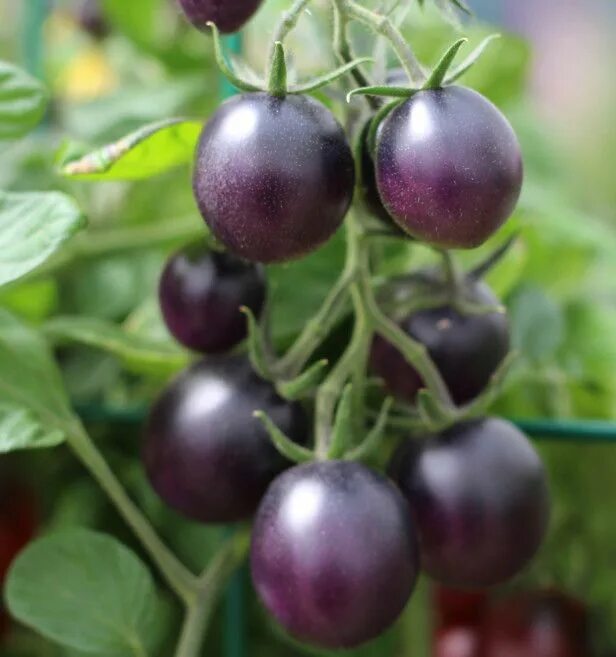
column 457, row 641
column 459, row 608
column 18, row 525
column 538, row 624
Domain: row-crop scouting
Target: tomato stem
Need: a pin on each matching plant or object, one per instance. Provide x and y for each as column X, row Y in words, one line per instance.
column 181, row 581
column 210, row 585
column 384, row 26
column 285, row 26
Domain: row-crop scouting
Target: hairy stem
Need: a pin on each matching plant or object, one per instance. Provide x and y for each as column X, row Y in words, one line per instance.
column 317, row 328
column 181, row 581
column 209, row 588
column 287, row 24
column 343, row 51
column 384, row 26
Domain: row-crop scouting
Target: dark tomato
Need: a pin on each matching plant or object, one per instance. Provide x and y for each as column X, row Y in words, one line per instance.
column 467, row 349
column 273, row 176
column 92, row 19
column 201, row 292
column 448, row 167
column 459, row 608
column 334, row 555
column 479, row 495
column 370, row 193
column 228, row 15
column 204, row 452
column 538, row 624
column 458, row 641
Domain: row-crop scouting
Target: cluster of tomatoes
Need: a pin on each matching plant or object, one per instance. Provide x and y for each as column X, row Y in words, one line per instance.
column 337, row 546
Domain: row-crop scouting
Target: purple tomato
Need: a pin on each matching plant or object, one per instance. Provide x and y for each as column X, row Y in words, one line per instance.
column 228, row 15
column 448, row 167
column 334, row 556
column 201, row 293
column 466, row 349
column 204, row 452
column 273, row 176
column 479, row 496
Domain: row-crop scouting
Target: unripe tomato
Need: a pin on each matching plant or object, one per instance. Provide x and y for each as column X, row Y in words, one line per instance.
column 466, row 349
column 334, row 556
column 204, row 452
column 448, row 167
column 201, row 293
column 273, row 176
column 228, row 15
column 479, row 496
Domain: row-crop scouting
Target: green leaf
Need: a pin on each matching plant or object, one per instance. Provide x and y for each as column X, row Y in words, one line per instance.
column 88, row 592
column 20, row 429
column 23, row 100
column 138, row 354
column 33, row 225
column 29, row 378
column 314, row 275
column 147, row 152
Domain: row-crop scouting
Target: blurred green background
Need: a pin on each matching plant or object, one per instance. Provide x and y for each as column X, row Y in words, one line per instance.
column 551, row 73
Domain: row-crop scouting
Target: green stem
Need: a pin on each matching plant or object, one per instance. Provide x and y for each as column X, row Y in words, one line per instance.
column 383, row 25
column 343, row 51
column 210, row 585
column 287, row 24
column 317, row 328
column 330, row 391
column 414, row 352
column 181, row 581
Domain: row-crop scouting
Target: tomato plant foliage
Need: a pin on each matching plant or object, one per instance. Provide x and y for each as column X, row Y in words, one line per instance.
column 80, row 322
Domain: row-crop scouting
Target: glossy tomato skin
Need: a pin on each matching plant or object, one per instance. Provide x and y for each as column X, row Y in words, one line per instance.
column 479, row 496
column 448, row 167
column 273, row 176
column 228, row 15
column 537, row 624
column 204, row 452
column 201, row 293
column 369, row 191
column 334, row 555
column 467, row 349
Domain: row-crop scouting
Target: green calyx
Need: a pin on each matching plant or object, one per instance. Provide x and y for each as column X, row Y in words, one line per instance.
column 276, row 83
column 442, row 74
